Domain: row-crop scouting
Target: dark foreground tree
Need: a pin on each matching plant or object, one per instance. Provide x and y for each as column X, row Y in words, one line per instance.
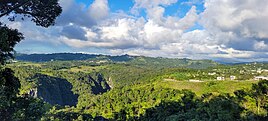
column 9, row 88
column 13, row 107
column 8, row 39
column 43, row 13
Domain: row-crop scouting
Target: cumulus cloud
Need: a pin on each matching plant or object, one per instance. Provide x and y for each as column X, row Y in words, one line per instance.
column 74, row 32
column 99, row 9
column 237, row 24
column 231, row 29
column 81, row 15
column 73, row 23
column 138, row 32
column 261, row 45
column 150, row 4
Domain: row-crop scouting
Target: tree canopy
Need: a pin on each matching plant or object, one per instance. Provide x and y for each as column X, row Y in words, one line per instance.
column 8, row 39
column 42, row 12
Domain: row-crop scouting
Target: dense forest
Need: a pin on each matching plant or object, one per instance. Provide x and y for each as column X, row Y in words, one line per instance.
column 94, row 89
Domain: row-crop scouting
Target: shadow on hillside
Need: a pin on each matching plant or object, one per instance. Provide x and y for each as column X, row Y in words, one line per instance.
column 55, row 90
column 99, row 82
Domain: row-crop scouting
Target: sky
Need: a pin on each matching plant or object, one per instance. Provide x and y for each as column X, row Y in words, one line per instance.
column 230, row 30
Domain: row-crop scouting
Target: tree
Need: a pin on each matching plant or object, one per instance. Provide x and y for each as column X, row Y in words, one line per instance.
column 8, row 39
column 42, row 12
column 9, row 88
column 254, row 100
column 260, row 94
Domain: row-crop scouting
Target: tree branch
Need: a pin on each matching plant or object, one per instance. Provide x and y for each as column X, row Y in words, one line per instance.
column 14, row 8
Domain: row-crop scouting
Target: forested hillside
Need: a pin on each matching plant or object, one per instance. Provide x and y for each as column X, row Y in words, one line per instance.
column 144, row 89
column 132, row 60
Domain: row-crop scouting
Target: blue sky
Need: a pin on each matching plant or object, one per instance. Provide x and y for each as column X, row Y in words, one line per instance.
column 196, row 29
column 177, row 9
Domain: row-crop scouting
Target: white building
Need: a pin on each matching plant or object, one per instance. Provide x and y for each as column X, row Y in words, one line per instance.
column 232, row 77
column 213, row 73
column 193, row 80
column 261, row 78
column 220, row 78
column 265, row 70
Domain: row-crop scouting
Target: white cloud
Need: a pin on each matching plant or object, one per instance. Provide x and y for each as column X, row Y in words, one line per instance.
column 232, row 29
column 261, row 46
column 131, row 32
column 117, row 31
column 99, row 9
column 236, row 24
column 156, row 14
column 184, row 23
column 149, row 4
column 79, row 14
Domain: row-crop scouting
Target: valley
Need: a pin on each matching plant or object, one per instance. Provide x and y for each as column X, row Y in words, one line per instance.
column 109, row 87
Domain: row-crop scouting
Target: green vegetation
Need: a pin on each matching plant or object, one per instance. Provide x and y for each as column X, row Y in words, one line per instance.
column 126, row 59
column 136, row 91
column 215, row 87
column 12, row 105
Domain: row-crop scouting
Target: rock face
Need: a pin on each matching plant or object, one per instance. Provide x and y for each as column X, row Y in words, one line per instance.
column 55, row 90
column 58, row 91
column 33, row 93
column 110, row 83
column 100, row 83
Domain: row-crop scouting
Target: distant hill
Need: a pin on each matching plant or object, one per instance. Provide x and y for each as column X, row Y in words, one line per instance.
column 55, row 56
column 229, row 61
column 133, row 60
column 68, row 57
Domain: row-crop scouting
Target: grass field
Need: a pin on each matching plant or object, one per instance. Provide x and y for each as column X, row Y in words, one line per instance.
column 208, row 86
column 85, row 69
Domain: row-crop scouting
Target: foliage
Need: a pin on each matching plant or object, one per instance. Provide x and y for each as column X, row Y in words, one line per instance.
column 41, row 12
column 9, row 84
column 189, row 108
column 13, row 107
column 68, row 114
column 255, row 100
column 128, row 91
column 8, row 39
column 28, row 109
column 133, row 100
column 200, row 88
column 223, row 107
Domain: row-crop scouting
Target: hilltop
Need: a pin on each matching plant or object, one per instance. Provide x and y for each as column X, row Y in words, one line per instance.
column 128, row 59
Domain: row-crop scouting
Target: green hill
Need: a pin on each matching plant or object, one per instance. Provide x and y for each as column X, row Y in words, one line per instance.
column 127, row 59
column 142, row 88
